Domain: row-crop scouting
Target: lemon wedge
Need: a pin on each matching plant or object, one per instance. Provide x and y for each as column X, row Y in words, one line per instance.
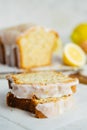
column 73, row 55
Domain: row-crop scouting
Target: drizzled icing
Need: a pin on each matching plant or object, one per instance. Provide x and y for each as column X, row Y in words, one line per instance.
column 52, row 109
column 55, row 90
column 9, row 54
column 9, row 38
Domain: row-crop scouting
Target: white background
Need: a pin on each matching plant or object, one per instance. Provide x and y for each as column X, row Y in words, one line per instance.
column 61, row 15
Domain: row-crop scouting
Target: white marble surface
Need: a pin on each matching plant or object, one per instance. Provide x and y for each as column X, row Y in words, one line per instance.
column 77, row 125
column 74, row 119
column 61, row 15
column 6, row 124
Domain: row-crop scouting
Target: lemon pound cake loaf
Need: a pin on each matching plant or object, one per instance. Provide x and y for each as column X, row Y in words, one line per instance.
column 27, row 46
column 44, row 93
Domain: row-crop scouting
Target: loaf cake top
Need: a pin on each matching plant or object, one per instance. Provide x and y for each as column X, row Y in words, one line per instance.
column 42, row 78
column 12, row 35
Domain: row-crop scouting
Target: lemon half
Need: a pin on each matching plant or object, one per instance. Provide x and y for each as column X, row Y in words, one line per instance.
column 73, row 55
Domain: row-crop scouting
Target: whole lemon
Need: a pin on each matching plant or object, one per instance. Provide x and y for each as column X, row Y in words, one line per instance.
column 79, row 36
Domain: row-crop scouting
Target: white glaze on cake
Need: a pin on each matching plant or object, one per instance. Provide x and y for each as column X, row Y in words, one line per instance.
column 53, row 90
column 9, row 38
column 52, row 109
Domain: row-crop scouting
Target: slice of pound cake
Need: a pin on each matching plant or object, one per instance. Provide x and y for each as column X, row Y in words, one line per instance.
column 42, row 108
column 26, row 46
column 44, row 93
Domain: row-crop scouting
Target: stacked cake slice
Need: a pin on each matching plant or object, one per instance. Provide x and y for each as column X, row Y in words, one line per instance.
column 46, row 94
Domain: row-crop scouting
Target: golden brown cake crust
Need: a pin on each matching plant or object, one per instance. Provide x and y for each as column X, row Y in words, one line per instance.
column 24, row 104
column 39, row 114
column 82, row 79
